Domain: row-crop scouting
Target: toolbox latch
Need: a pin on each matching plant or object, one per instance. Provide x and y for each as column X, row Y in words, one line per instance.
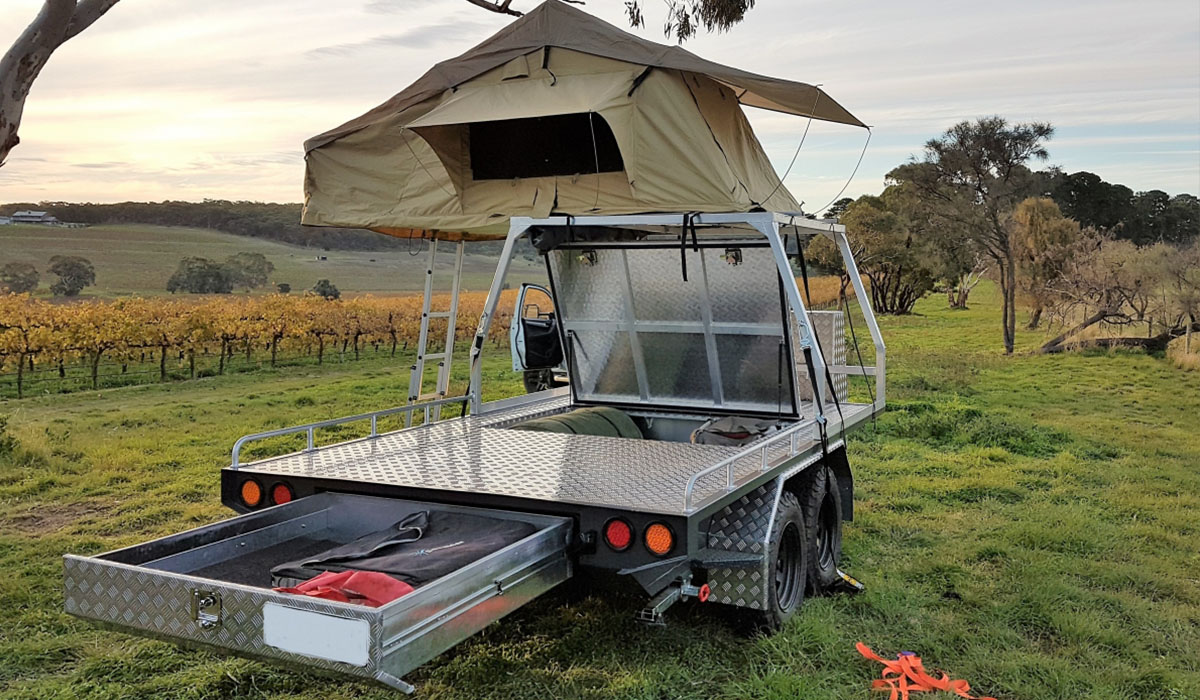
column 206, row 608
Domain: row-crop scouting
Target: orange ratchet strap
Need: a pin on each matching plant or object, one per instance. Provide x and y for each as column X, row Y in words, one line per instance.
column 905, row 674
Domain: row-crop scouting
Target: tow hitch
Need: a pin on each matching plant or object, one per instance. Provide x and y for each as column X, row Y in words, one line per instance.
column 652, row 614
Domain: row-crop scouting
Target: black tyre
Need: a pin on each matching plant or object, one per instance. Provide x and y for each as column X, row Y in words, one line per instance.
column 822, row 506
column 538, row 380
column 788, row 568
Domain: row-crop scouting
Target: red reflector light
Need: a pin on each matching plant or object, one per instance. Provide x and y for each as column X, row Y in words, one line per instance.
column 281, row 493
column 618, row 534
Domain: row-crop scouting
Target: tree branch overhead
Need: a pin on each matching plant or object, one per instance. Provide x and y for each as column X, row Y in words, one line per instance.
column 497, row 7
column 57, row 22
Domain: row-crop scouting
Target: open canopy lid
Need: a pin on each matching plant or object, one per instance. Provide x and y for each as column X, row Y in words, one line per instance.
column 556, row 24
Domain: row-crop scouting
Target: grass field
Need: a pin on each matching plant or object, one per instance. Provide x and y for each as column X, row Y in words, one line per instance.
column 138, row 259
column 1031, row 524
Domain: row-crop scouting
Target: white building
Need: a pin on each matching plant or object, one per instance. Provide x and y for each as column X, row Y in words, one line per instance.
column 33, row 217
column 5, row 220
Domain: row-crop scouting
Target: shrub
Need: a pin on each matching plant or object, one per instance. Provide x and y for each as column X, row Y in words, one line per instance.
column 326, row 289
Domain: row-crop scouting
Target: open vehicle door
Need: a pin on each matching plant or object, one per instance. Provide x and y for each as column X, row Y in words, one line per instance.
column 535, row 341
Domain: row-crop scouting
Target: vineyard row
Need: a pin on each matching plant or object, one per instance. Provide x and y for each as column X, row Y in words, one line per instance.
column 37, row 336
column 34, row 332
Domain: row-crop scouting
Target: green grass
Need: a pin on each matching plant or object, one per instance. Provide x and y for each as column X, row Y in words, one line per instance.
column 137, row 260
column 1030, row 524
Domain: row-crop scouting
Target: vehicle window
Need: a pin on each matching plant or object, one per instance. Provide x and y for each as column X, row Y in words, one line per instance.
column 538, row 304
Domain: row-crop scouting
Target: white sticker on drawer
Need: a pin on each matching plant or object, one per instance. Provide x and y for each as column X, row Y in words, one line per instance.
column 316, row 634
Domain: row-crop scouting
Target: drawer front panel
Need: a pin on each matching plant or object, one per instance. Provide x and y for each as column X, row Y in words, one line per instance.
column 160, row 604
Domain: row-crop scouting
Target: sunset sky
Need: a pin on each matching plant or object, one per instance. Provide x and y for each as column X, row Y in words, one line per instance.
column 165, row 99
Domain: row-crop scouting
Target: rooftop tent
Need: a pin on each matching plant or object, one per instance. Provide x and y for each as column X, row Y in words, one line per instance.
column 558, row 113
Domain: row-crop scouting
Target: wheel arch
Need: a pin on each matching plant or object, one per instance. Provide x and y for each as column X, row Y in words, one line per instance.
column 837, row 462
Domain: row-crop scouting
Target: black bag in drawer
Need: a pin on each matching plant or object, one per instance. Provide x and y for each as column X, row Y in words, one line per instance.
column 424, row 546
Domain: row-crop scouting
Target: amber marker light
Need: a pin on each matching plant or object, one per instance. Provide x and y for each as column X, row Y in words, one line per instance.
column 659, row 539
column 251, row 493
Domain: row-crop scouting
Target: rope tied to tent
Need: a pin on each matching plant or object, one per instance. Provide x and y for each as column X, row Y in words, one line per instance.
column 807, row 125
column 852, row 172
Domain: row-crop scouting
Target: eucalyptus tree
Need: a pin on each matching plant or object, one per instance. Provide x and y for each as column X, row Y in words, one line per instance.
column 973, row 177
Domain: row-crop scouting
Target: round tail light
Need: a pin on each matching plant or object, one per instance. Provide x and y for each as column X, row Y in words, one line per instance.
column 251, row 493
column 659, row 539
column 281, row 493
column 618, row 535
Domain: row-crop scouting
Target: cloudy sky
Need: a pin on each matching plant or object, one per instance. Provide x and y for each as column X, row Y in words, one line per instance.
column 167, row 99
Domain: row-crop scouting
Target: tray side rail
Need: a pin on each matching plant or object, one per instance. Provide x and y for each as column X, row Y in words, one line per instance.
column 761, row 449
column 427, row 409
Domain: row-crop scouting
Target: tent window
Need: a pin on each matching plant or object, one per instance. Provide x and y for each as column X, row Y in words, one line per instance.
column 543, row 146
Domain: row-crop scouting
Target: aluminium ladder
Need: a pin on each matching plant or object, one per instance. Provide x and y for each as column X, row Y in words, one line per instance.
column 416, row 379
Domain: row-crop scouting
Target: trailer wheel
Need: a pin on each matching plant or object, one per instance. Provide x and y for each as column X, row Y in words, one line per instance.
column 787, row 572
column 538, row 380
column 823, row 516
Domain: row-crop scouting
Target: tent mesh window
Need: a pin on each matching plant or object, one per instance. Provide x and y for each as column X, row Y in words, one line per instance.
column 562, row 144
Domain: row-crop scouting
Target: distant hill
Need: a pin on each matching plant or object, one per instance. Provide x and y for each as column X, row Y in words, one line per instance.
column 137, row 259
column 275, row 222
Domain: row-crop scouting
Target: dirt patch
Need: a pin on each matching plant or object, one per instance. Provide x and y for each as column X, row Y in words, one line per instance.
column 45, row 519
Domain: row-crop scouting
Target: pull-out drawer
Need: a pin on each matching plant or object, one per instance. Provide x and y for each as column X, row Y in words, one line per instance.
column 212, row 586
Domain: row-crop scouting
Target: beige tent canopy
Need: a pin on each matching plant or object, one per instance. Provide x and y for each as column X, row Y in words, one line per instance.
column 558, row 113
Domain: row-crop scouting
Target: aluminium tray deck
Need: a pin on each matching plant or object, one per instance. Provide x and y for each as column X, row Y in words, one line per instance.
column 478, row 454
